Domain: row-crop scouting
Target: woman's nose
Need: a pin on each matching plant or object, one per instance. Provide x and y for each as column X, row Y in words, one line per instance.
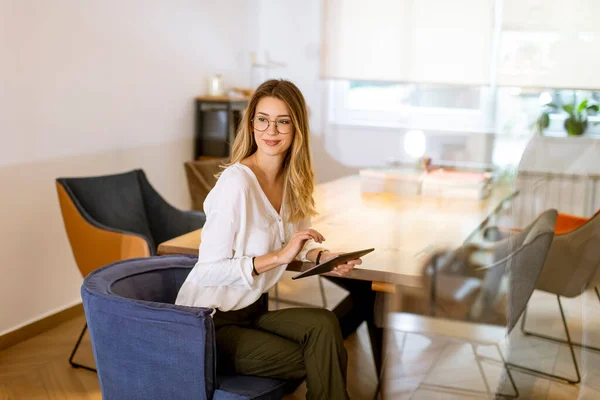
column 272, row 129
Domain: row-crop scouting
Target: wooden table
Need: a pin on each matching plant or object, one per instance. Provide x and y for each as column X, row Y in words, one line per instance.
column 401, row 228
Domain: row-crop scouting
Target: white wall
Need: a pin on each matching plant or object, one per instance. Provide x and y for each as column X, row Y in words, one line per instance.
column 95, row 87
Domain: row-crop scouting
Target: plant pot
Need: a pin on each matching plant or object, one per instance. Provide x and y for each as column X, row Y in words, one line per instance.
column 575, row 127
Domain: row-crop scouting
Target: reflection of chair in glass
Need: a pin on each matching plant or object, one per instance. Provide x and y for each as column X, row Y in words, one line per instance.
column 507, row 272
column 116, row 217
column 201, row 179
column 572, row 263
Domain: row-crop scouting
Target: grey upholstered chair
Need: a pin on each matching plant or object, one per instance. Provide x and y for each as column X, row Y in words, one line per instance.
column 508, row 271
column 116, row 217
column 572, row 263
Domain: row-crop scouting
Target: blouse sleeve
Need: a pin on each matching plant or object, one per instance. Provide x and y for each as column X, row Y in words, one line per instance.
column 217, row 264
column 310, row 244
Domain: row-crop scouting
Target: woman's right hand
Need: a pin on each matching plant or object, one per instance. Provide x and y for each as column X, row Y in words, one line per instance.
column 287, row 254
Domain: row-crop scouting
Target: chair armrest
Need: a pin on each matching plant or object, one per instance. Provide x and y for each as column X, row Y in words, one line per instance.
column 177, row 222
column 192, row 220
column 147, row 350
column 166, row 221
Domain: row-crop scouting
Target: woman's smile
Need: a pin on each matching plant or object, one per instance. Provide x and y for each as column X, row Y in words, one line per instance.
column 272, row 143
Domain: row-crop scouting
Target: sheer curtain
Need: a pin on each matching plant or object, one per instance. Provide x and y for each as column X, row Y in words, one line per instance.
column 525, row 43
column 433, row 41
column 550, row 43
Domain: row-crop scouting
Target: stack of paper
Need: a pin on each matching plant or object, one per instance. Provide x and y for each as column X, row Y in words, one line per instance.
column 456, row 184
column 391, row 180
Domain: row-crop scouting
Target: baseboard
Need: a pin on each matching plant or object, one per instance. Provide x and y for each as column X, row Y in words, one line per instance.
column 40, row 326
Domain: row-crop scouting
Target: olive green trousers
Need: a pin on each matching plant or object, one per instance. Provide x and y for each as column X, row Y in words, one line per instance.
column 288, row 344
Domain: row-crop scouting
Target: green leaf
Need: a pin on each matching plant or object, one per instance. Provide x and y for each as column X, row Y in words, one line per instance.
column 594, row 108
column 543, row 121
column 569, row 108
column 583, row 105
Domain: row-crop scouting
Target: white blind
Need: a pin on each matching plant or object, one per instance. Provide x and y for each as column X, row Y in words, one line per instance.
column 426, row 41
column 550, row 43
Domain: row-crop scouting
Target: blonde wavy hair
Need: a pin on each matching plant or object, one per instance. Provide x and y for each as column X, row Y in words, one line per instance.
column 298, row 176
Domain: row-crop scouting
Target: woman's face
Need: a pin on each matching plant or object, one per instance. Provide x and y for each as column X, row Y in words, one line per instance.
column 273, row 127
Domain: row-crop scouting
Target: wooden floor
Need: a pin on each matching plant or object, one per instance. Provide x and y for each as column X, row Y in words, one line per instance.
column 414, row 361
column 38, row 368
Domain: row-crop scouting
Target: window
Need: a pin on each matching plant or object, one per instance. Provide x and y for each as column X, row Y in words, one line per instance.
column 519, row 108
column 504, row 111
column 444, row 108
column 374, row 95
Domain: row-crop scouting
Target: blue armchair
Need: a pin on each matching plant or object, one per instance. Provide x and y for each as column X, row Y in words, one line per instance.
column 146, row 347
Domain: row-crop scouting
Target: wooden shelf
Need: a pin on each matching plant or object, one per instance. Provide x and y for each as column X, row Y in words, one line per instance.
column 222, row 99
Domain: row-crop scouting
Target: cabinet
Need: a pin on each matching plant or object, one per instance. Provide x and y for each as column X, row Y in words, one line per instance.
column 217, row 121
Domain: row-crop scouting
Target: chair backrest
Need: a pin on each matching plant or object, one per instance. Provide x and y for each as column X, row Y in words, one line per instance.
column 201, row 179
column 113, row 201
column 144, row 345
column 93, row 244
column 573, row 260
column 524, row 266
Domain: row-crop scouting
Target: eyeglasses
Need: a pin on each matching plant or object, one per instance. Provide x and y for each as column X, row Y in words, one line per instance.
column 283, row 126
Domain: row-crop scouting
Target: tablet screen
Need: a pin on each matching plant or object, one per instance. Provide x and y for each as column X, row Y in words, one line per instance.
column 329, row 265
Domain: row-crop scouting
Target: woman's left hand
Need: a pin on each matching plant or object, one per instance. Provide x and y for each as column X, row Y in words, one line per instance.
column 342, row 269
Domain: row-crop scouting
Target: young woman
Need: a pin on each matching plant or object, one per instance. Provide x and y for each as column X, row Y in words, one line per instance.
column 257, row 222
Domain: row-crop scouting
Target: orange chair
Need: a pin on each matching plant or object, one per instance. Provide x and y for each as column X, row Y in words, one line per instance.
column 116, row 217
column 566, row 222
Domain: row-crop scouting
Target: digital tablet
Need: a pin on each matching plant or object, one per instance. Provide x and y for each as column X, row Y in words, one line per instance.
column 329, row 265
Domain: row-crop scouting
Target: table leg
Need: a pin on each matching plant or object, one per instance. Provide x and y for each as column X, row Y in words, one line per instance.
column 376, row 338
column 356, row 308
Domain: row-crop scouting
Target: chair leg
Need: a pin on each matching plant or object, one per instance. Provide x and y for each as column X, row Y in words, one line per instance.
column 481, row 371
column 74, row 364
column 478, row 359
column 557, row 340
column 510, row 377
column 569, row 342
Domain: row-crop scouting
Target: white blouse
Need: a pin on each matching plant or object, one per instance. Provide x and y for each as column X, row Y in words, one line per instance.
column 240, row 223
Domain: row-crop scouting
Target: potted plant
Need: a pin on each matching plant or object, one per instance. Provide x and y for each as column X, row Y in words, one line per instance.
column 577, row 121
